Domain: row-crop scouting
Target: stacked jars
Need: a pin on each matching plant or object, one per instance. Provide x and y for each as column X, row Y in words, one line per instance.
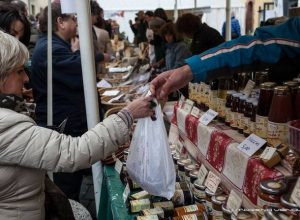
column 235, row 110
column 228, row 105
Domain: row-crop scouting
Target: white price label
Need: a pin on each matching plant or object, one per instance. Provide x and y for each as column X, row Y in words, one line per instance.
column 181, row 101
column 296, row 193
column 268, row 153
column 212, row 182
column 187, row 107
column 234, row 202
column 126, row 192
column 202, row 174
column 249, row 87
column 251, row 144
column 118, row 166
column 195, row 112
column 208, row 117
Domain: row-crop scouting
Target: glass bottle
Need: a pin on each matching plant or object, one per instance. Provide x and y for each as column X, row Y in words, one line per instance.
column 247, row 116
column 281, row 112
column 240, row 114
column 263, row 107
column 253, row 116
column 213, row 95
column 228, row 105
column 234, row 110
column 224, row 85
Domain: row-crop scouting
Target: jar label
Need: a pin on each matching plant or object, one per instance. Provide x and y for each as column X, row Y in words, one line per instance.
column 155, row 211
column 178, row 197
column 189, row 217
column 227, row 115
column 140, row 195
column 138, row 205
column 246, row 126
column 190, row 208
column 263, row 203
column 238, row 118
column 277, row 132
column 148, row 217
column 261, row 126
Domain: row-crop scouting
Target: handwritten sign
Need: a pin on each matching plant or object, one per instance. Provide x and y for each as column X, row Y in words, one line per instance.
column 268, row 153
column 251, row 144
column 202, row 174
column 208, row 117
column 126, row 192
column 195, row 112
column 234, row 202
column 296, row 193
column 118, row 166
column 212, row 182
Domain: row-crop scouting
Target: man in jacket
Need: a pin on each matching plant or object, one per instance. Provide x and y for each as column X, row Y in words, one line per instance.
column 68, row 92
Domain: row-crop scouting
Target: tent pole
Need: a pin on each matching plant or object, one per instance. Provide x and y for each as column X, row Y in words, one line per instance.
column 228, row 20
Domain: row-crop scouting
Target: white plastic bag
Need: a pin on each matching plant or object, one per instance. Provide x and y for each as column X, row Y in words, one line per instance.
column 149, row 162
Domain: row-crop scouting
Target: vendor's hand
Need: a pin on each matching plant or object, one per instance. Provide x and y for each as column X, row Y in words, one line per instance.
column 170, row 81
column 141, row 107
column 75, row 44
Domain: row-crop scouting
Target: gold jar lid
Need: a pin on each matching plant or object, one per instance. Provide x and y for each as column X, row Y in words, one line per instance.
column 281, row 90
column 291, row 84
column 267, row 85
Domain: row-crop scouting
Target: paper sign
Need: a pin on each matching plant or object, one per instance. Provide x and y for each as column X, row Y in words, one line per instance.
column 251, row 144
column 268, row 153
column 126, row 192
column 296, row 193
column 234, row 202
column 249, row 87
column 187, row 107
column 195, row 112
column 104, row 83
column 212, row 182
column 118, row 166
column 202, row 174
column 181, row 101
column 208, row 117
column 68, row 6
column 111, row 93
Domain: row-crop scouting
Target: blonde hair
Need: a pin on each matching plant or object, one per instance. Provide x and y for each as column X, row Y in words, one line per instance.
column 12, row 54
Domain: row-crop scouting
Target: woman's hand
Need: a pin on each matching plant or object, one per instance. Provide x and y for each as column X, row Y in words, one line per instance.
column 141, row 107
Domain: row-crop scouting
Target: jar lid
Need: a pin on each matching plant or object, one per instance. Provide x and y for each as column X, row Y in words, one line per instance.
column 272, row 187
column 199, row 186
column 268, row 85
column 230, row 92
column 287, row 202
column 176, row 156
column 183, row 162
column 281, row 90
column 235, row 95
column 173, row 146
column 225, row 210
column 290, row 84
column 243, row 97
column 219, row 200
column 197, row 199
column 210, row 193
column 296, row 80
column 190, row 167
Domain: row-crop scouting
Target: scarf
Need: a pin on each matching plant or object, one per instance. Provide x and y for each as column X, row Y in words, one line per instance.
column 17, row 104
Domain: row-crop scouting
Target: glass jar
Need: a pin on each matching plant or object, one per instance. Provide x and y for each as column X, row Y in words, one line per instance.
column 187, row 169
column 182, row 196
column 226, row 212
column 297, row 103
column 217, row 202
column 167, row 206
column 208, row 202
column 228, row 105
column 293, row 88
column 224, row 85
column 190, row 209
column 213, row 95
column 240, row 114
column 234, row 110
column 279, row 116
column 181, row 164
column 176, row 157
column 199, row 190
column 264, row 103
column 291, row 207
column 194, row 176
column 139, row 205
column 269, row 193
column 247, row 116
column 253, row 116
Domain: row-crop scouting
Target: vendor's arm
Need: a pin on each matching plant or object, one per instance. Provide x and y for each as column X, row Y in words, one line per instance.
column 267, row 46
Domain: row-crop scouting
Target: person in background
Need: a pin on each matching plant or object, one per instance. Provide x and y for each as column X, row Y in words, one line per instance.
column 158, row 42
column 68, row 91
column 150, row 36
column 235, row 27
column 104, row 24
column 28, row 151
column 161, row 13
column 141, row 28
column 203, row 37
column 148, row 16
column 246, row 53
column 134, row 28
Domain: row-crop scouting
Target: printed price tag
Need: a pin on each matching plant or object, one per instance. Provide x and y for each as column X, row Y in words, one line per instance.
column 118, row 166
column 251, row 144
column 126, row 192
column 202, row 174
column 268, row 153
column 195, row 112
column 296, row 193
column 187, row 107
column 249, row 87
column 212, row 182
column 208, row 117
column 234, row 202
column 181, row 101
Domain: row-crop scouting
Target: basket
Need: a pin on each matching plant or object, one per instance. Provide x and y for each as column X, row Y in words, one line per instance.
column 294, row 135
column 106, row 106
